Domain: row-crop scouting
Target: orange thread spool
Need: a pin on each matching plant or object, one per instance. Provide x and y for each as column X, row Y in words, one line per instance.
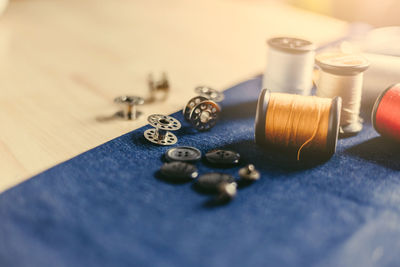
column 295, row 123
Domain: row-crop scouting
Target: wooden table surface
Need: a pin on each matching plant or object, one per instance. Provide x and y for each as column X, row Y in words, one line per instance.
column 63, row 61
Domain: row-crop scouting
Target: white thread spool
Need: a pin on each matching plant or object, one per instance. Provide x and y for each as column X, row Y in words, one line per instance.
column 290, row 63
column 342, row 75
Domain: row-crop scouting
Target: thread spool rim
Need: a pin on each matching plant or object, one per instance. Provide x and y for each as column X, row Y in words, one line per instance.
column 262, row 107
column 377, row 103
column 333, row 125
column 344, row 70
column 308, row 47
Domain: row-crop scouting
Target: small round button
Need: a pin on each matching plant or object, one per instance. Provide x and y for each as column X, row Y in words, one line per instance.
column 183, row 153
column 249, row 173
column 223, row 157
column 179, row 171
column 211, row 182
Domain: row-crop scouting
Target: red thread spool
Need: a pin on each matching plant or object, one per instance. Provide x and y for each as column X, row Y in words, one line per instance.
column 386, row 113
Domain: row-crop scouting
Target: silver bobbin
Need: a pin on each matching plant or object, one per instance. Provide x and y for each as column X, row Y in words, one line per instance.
column 209, row 93
column 202, row 111
column 191, row 104
column 159, row 89
column 161, row 134
column 129, row 104
column 204, row 115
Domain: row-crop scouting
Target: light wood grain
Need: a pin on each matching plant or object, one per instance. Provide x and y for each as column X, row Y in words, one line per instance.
column 63, row 61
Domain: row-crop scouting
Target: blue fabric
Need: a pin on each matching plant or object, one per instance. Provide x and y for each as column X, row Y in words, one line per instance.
column 106, row 207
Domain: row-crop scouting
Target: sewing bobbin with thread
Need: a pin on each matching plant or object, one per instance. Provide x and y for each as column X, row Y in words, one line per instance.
column 297, row 127
column 290, row 63
column 386, row 113
column 342, row 75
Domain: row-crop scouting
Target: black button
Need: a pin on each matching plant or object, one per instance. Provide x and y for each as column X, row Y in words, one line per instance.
column 183, row 153
column 179, row 171
column 211, row 182
column 223, row 157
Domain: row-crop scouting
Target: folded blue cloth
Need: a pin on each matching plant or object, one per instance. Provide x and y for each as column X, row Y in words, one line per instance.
column 108, row 207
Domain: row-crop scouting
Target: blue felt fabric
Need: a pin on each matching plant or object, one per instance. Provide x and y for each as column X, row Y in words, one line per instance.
column 106, row 207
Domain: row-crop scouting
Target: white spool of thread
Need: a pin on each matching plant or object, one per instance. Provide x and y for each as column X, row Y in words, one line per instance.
column 290, row 63
column 342, row 75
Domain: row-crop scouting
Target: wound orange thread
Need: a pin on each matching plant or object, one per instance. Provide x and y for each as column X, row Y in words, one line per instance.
column 298, row 122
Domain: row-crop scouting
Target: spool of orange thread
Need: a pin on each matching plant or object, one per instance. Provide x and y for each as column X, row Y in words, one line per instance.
column 298, row 126
column 386, row 113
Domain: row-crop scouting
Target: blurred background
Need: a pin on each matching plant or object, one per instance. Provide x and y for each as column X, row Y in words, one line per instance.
column 374, row 12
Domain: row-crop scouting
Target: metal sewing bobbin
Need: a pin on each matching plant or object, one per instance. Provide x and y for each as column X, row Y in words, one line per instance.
column 159, row 89
column 161, row 134
column 209, row 93
column 129, row 104
column 202, row 111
